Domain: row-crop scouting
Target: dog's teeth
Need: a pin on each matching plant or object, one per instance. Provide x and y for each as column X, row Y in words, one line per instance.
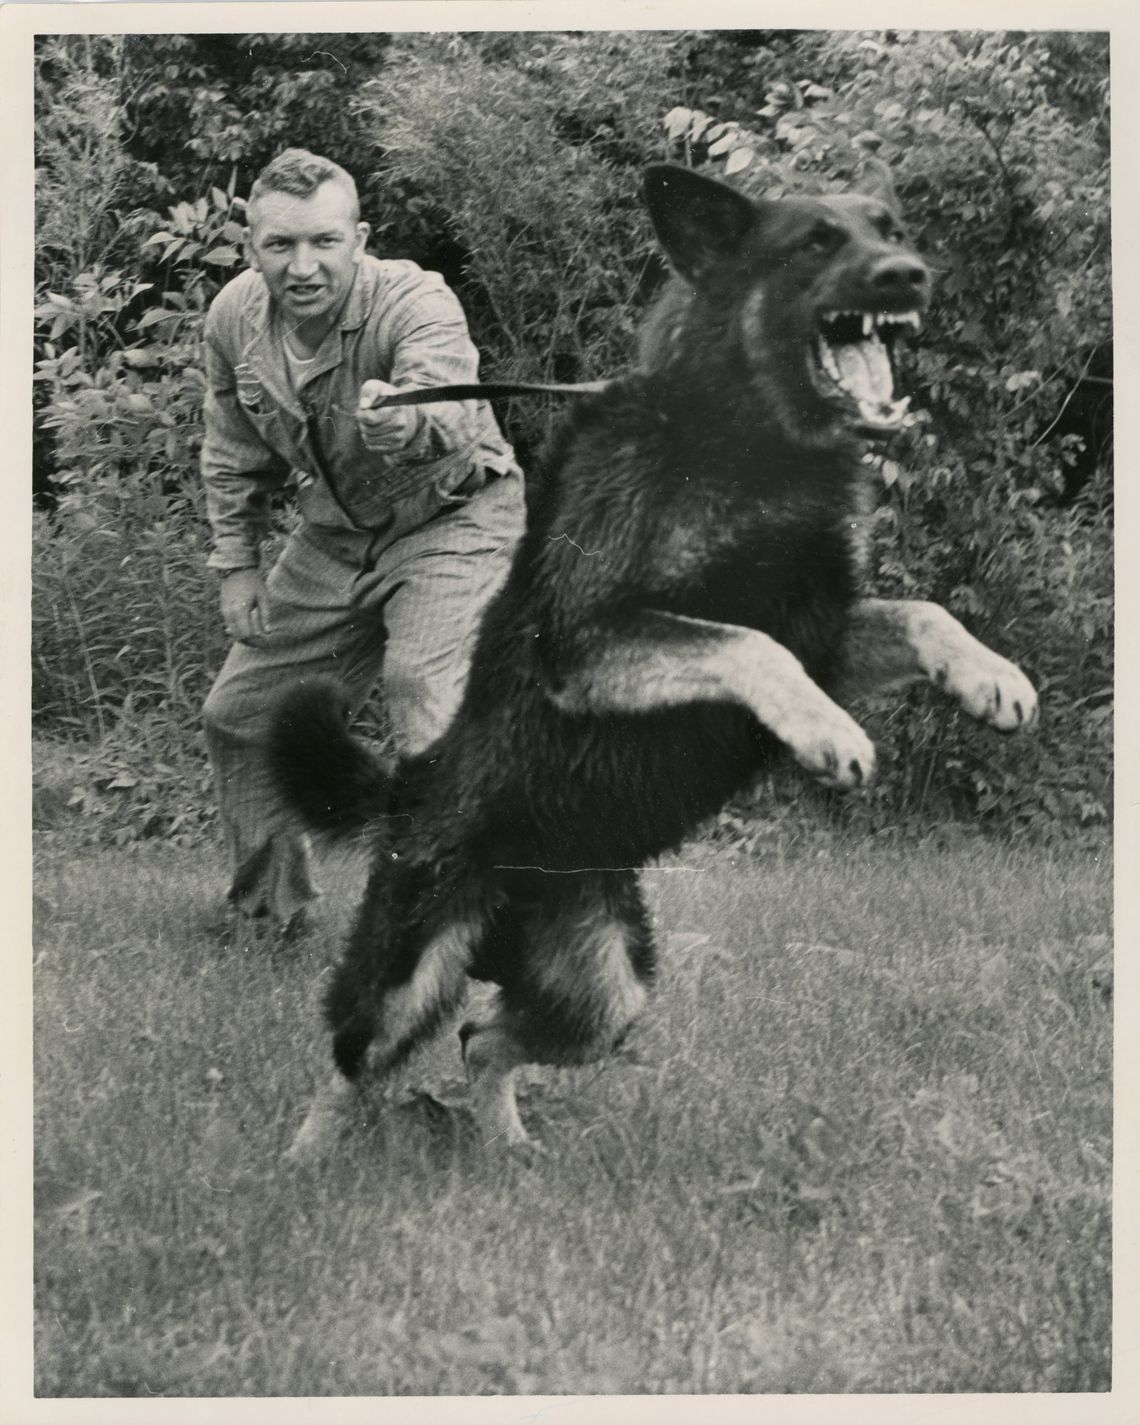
column 868, row 323
column 827, row 358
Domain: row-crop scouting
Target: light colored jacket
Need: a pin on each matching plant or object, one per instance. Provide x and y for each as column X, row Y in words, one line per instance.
column 399, row 324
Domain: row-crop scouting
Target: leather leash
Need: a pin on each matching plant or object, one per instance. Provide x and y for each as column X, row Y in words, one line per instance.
column 482, row 391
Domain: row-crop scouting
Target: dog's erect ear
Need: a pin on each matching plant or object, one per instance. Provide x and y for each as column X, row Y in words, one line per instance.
column 875, row 181
column 698, row 221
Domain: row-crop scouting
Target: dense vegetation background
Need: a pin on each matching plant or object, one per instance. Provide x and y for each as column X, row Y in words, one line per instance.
column 510, row 162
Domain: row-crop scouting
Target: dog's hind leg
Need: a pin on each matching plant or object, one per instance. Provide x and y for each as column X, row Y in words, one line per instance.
column 582, row 970
column 385, row 1000
column 491, row 1055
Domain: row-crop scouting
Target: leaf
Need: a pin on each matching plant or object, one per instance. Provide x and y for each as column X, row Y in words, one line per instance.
column 224, row 256
column 676, row 121
column 154, row 316
column 738, row 159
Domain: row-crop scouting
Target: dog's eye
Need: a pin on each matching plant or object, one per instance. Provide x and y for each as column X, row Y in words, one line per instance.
column 823, row 237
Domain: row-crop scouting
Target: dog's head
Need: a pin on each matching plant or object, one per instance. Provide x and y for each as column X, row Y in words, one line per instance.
column 814, row 293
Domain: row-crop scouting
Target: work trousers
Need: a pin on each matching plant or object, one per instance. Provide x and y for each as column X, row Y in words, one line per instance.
column 405, row 615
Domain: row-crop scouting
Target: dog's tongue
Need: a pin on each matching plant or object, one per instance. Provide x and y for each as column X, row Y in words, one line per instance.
column 865, row 372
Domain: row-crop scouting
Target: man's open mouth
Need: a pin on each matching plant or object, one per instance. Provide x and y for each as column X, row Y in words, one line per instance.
column 853, row 356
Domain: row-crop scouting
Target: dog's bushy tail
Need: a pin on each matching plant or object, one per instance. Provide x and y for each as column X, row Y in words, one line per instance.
column 333, row 783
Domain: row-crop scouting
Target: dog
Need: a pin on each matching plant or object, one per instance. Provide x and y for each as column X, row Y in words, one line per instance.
column 684, row 606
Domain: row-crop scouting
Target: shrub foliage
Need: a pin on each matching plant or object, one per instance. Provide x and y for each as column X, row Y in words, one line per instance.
column 512, row 161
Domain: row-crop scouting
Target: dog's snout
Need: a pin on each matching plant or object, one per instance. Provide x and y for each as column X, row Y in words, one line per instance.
column 899, row 274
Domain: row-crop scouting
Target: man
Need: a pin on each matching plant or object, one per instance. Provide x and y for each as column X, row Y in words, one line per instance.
column 408, row 515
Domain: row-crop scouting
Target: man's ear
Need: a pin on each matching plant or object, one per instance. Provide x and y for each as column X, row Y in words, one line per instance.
column 247, row 248
column 362, row 233
column 700, row 222
column 875, row 181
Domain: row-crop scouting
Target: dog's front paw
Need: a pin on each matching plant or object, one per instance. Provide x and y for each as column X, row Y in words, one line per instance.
column 991, row 689
column 833, row 748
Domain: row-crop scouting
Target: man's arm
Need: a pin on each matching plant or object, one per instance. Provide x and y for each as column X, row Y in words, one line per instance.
column 431, row 346
column 239, row 471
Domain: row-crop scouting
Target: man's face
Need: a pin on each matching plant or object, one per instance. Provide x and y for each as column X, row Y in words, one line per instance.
column 307, row 250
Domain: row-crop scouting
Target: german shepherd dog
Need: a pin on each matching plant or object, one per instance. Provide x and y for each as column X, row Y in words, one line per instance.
column 684, row 606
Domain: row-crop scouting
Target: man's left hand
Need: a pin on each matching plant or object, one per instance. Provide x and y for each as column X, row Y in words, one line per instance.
column 383, row 428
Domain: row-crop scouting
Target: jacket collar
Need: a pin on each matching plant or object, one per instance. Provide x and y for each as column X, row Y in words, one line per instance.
column 264, row 351
column 358, row 303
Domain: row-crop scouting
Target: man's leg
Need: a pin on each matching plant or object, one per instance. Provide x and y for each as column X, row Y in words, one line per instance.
column 433, row 586
column 318, row 627
column 415, row 612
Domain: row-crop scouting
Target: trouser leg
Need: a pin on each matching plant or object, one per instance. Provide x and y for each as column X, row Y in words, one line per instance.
column 413, row 611
column 434, row 585
column 316, row 629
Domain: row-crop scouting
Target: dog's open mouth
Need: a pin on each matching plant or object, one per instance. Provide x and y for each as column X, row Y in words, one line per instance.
column 854, row 356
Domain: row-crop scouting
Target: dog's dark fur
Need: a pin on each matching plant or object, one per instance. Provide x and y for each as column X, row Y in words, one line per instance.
column 686, row 591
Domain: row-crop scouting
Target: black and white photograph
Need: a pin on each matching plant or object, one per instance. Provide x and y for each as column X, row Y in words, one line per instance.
column 572, row 614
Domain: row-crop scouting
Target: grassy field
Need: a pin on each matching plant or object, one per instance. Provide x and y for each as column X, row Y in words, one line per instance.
column 861, row 1142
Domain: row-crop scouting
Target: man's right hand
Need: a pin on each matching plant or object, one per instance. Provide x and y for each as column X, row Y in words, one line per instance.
column 245, row 607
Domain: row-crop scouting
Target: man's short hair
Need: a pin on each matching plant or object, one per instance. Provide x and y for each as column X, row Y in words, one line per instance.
column 301, row 173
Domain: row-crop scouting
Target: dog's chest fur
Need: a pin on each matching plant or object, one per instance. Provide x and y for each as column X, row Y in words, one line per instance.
column 777, row 546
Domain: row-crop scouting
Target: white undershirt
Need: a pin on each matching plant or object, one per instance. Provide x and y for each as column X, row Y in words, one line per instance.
column 298, row 366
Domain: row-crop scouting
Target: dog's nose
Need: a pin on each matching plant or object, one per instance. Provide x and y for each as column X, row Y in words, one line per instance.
column 899, row 274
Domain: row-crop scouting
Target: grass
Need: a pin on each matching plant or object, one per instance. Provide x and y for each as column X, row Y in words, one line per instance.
column 866, row 1147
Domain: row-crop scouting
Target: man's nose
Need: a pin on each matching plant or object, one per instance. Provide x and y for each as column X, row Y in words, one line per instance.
column 302, row 260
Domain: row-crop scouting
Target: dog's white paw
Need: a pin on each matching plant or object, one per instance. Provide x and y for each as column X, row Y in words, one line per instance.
column 324, row 1125
column 991, row 689
column 832, row 746
column 315, row 1140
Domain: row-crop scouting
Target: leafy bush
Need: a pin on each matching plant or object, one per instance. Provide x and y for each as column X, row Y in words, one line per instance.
column 208, row 109
column 84, row 175
column 124, row 613
column 528, row 150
